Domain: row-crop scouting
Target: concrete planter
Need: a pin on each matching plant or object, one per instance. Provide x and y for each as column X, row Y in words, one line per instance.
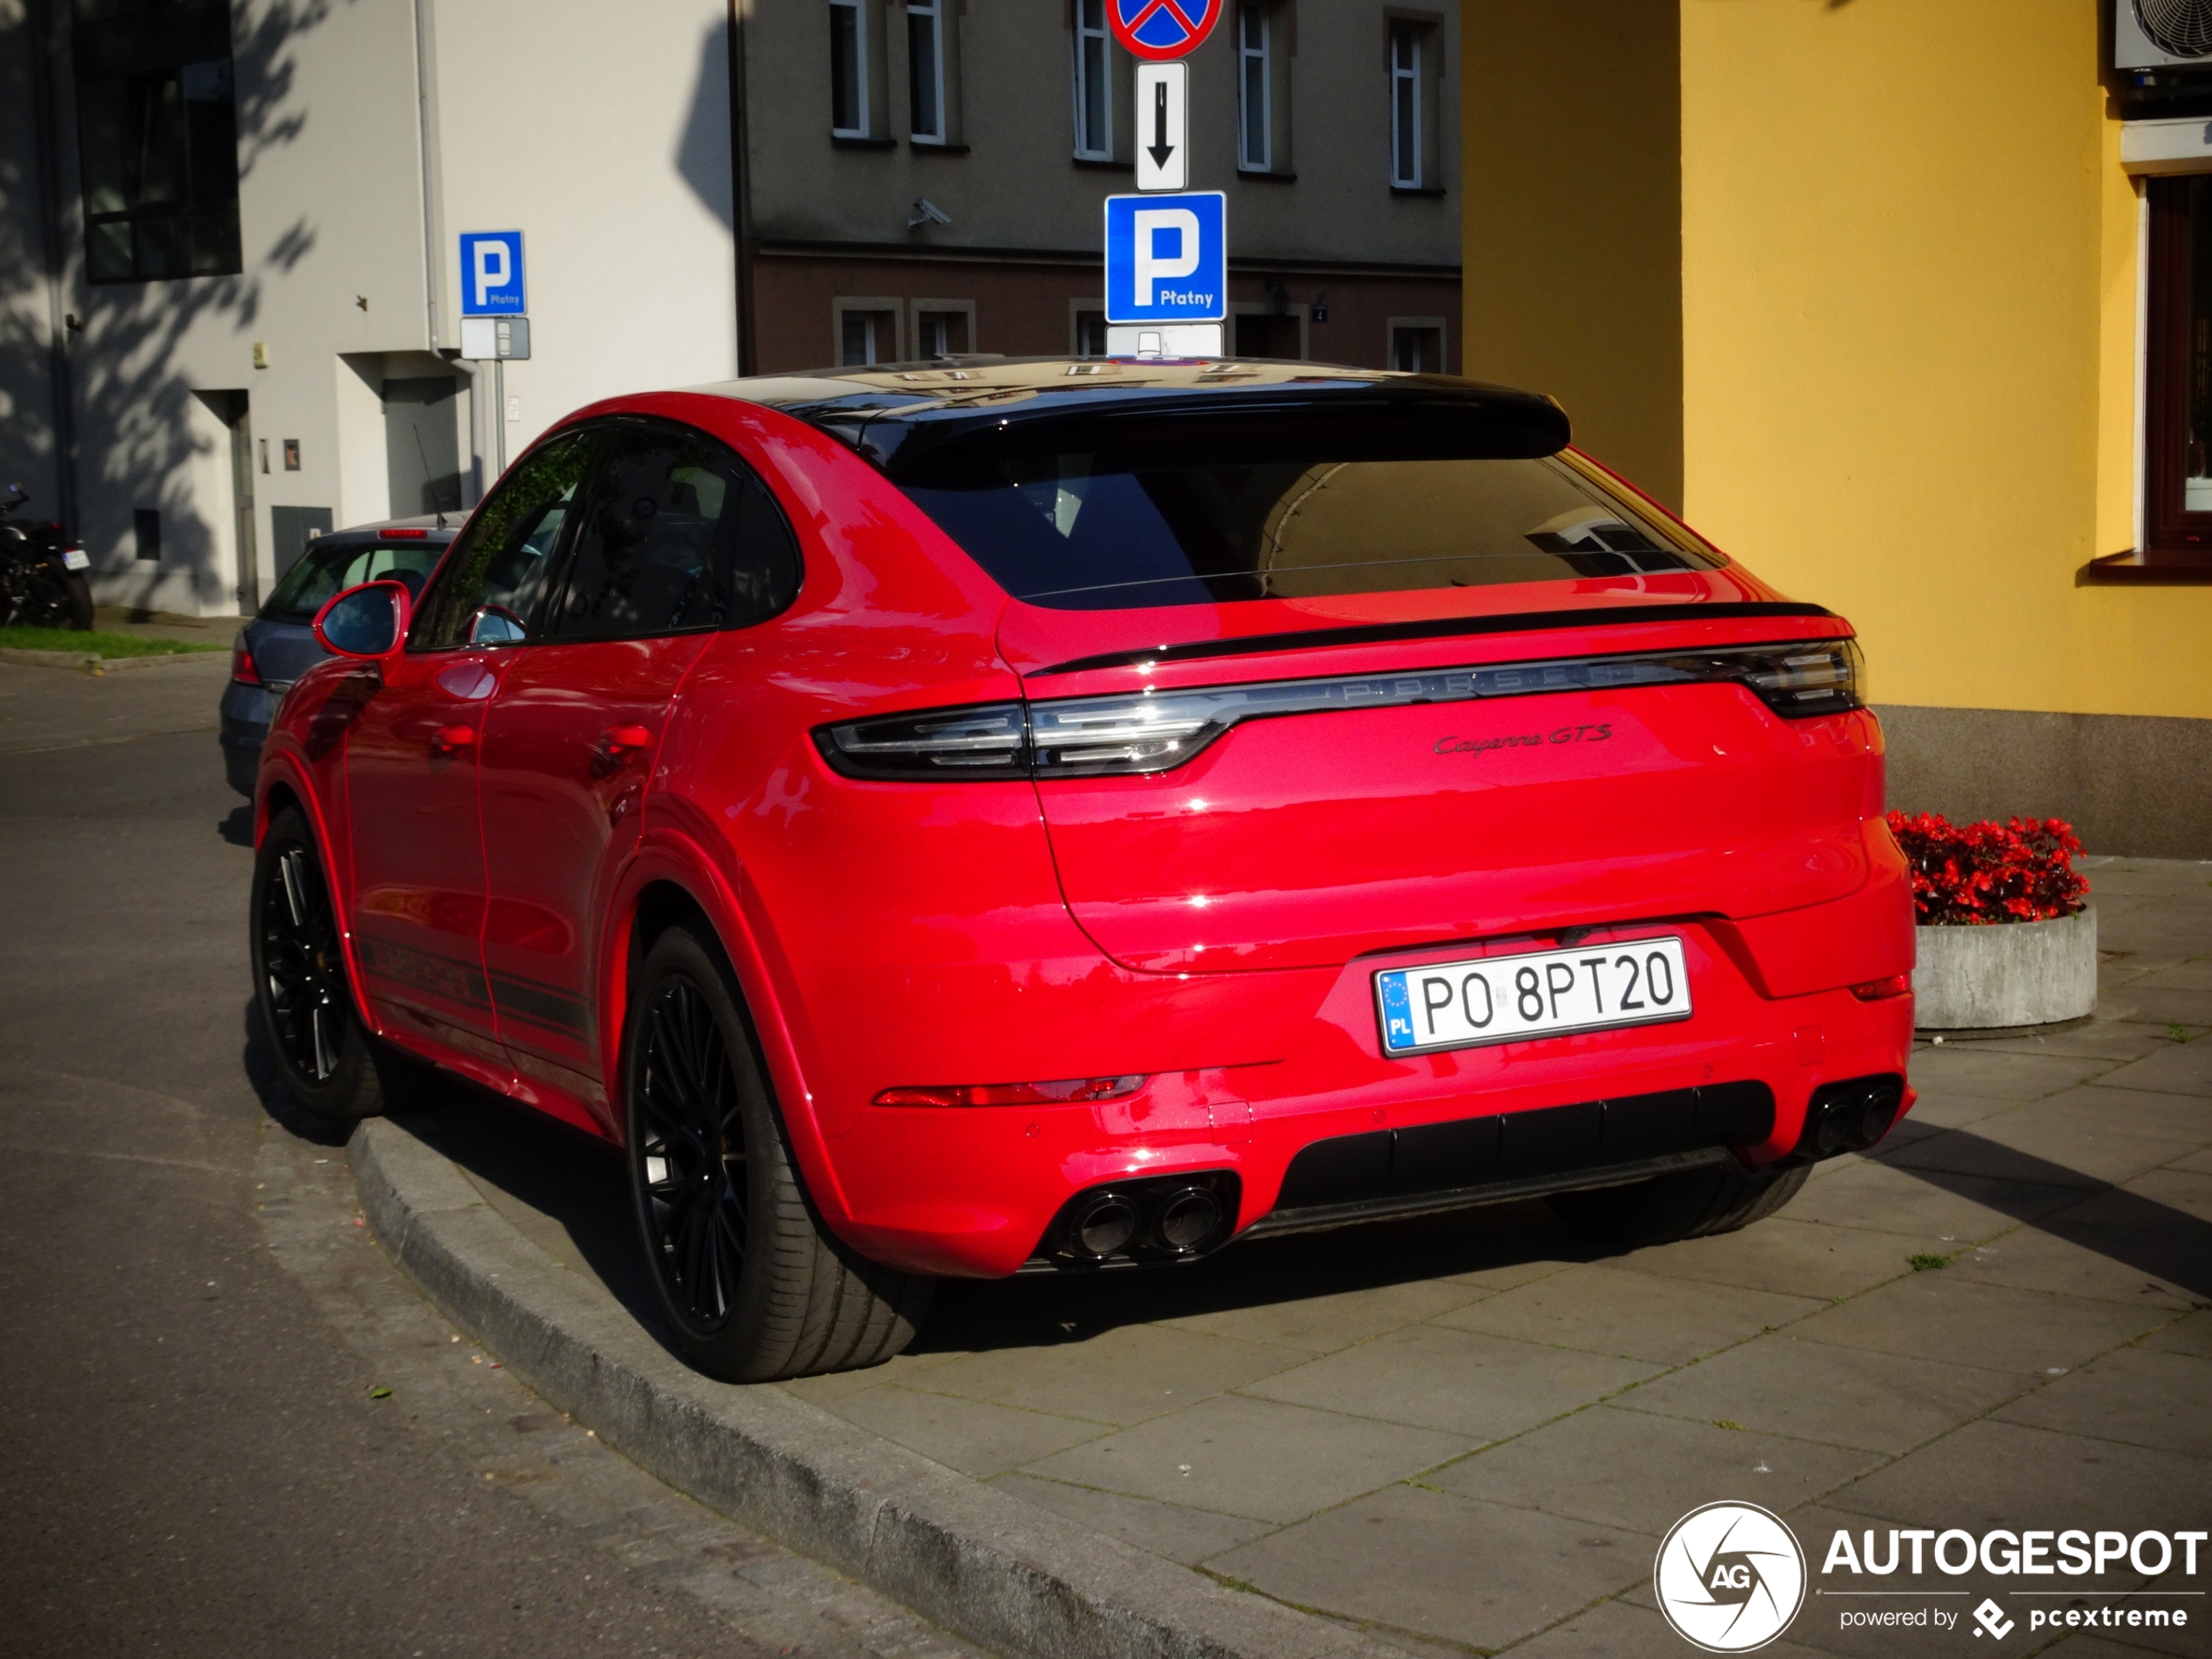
column 2006, row 975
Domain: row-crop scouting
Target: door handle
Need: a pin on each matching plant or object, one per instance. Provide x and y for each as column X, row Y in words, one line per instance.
column 451, row 739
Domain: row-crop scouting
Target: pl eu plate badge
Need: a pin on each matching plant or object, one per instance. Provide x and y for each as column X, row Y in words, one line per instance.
column 1158, row 31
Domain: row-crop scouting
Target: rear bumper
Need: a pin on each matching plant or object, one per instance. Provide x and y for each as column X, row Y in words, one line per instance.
column 245, row 713
column 974, row 1191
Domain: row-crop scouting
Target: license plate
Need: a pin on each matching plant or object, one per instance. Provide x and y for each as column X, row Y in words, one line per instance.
column 76, row 558
column 1543, row 994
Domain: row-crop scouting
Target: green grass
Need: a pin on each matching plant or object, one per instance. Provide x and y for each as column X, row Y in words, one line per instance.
column 2175, row 1033
column 1929, row 1264
column 97, row 645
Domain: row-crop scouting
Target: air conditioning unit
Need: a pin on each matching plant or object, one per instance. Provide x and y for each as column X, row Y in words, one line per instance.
column 2161, row 34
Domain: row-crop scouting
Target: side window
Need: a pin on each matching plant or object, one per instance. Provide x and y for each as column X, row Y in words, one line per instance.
column 501, row 559
column 676, row 533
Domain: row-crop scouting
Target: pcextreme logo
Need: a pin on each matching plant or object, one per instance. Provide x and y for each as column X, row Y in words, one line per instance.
column 1729, row 1577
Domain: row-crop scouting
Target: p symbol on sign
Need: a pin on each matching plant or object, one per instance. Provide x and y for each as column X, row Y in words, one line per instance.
column 493, row 269
column 1152, row 223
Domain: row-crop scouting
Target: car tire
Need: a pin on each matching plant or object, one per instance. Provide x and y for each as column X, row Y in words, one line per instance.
column 329, row 1060
column 1691, row 1204
column 753, row 1285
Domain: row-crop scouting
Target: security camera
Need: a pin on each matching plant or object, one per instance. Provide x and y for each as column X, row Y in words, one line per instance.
column 928, row 213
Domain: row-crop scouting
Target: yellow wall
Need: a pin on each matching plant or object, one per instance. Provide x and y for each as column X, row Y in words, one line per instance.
column 1853, row 282
column 1569, row 120
column 1908, row 324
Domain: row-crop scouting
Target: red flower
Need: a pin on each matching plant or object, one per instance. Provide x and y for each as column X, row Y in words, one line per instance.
column 1986, row 874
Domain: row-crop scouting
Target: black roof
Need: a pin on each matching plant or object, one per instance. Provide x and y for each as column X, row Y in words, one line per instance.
column 923, row 418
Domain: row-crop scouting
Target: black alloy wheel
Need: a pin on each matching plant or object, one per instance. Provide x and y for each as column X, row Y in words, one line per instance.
column 303, row 981
column 753, row 1284
column 331, row 1062
column 690, row 1153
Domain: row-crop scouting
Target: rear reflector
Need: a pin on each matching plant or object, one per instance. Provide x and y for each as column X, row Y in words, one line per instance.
column 1150, row 731
column 1875, row 990
column 242, row 665
column 403, row 535
column 1070, row 1091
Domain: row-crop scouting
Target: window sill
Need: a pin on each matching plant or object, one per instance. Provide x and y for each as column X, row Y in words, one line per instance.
column 1266, row 176
column 932, row 147
column 2174, row 568
column 845, row 142
column 1417, row 190
column 1103, row 164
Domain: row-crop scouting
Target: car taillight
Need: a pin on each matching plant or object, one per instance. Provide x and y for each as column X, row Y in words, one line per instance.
column 1155, row 731
column 403, row 534
column 242, row 666
column 1069, row 1091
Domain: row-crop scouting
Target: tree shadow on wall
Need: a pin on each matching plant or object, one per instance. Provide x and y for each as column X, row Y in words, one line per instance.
column 134, row 393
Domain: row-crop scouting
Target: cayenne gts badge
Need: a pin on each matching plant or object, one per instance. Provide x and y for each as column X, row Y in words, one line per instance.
column 1453, row 744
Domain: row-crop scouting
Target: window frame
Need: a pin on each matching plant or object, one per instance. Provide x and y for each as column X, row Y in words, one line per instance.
column 2173, row 537
column 844, row 303
column 863, row 104
column 917, row 309
column 606, row 432
column 1088, row 145
column 593, row 434
column 1407, row 133
column 1248, row 11
column 938, row 17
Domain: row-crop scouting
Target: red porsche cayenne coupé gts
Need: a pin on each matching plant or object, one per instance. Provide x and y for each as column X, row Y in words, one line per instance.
column 986, row 818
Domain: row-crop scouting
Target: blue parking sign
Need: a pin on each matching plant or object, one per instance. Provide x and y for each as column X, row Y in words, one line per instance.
column 491, row 274
column 1167, row 257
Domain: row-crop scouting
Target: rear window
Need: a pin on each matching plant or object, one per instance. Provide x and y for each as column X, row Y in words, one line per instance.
column 1085, row 531
column 332, row 564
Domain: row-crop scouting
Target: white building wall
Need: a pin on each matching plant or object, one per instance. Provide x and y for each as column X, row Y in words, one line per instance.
column 604, row 138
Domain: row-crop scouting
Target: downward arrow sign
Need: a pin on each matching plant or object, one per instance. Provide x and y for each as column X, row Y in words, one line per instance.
column 1160, row 148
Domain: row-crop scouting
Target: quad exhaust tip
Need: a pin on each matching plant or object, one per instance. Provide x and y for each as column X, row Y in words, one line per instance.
column 1849, row 1116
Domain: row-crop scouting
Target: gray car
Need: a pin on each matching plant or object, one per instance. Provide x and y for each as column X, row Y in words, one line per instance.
column 278, row 645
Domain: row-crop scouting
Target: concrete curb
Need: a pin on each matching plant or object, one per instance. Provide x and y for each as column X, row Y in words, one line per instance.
column 1000, row 1573
column 92, row 663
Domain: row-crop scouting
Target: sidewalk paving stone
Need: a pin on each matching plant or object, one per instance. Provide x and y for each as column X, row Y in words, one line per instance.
column 2192, row 1335
column 1175, row 1530
column 1639, row 1316
column 1403, row 1558
column 1994, row 1473
column 2108, row 1108
column 1459, row 1382
column 1789, row 1257
column 2180, row 1068
column 1256, row 1458
column 2085, row 1263
column 1816, row 1390
column 1324, row 1324
column 1934, row 1316
column 1965, row 1069
column 973, row 1436
column 1869, row 1195
column 2142, row 1398
column 1120, row 1376
column 1629, row 1469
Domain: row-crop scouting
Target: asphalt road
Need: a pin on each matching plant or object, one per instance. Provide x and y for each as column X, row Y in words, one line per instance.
column 189, row 1459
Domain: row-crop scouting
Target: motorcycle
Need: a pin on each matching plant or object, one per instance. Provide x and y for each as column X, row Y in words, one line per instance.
column 42, row 572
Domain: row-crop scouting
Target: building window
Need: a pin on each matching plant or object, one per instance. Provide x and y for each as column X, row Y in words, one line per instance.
column 156, row 128
column 1417, row 344
column 943, row 328
column 2177, row 483
column 1087, row 328
column 1406, row 158
column 848, row 70
column 1254, row 149
column 867, row 331
column 925, row 71
column 1094, row 82
column 145, row 527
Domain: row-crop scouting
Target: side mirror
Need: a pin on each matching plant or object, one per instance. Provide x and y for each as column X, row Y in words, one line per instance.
column 497, row 626
column 367, row 621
